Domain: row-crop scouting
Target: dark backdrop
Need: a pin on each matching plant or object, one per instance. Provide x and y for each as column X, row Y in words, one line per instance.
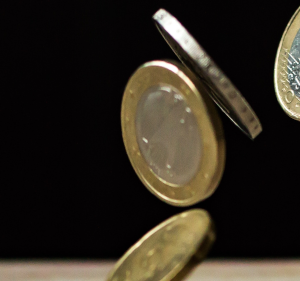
column 67, row 187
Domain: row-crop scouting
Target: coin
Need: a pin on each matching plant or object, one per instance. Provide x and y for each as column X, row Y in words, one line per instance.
column 172, row 133
column 221, row 90
column 287, row 69
column 170, row 249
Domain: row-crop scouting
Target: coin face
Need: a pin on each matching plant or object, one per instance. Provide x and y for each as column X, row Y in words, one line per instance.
column 287, row 69
column 168, row 134
column 165, row 250
column 172, row 133
column 220, row 88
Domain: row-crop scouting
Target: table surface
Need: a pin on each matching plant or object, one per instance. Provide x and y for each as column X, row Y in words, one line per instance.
column 214, row 270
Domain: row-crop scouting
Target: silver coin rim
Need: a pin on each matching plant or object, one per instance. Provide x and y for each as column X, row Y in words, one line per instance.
column 244, row 114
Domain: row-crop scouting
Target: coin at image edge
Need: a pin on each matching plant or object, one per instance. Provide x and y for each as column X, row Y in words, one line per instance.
column 173, row 249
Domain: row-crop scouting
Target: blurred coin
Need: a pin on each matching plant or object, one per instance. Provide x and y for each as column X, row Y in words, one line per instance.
column 221, row 90
column 287, row 69
column 168, row 251
column 172, row 133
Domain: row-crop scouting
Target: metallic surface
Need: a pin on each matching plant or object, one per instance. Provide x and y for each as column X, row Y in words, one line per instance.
column 221, row 90
column 211, row 167
column 287, row 67
column 169, row 251
column 168, row 135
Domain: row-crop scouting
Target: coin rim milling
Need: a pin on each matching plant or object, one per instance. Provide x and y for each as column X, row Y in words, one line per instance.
column 221, row 90
column 197, row 254
column 286, row 102
column 212, row 162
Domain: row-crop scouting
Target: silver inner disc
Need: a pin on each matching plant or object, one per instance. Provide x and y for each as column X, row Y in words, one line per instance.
column 294, row 65
column 168, row 135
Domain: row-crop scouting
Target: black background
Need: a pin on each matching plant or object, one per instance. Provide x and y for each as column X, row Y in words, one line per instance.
column 67, row 187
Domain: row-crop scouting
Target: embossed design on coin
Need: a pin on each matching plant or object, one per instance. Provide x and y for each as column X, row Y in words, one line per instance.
column 164, row 251
column 294, row 65
column 225, row 95
column 287, row 69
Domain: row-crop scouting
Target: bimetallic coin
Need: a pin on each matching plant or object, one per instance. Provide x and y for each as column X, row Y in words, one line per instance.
column 221, row 90
column 168, row 251
column 172, row 133
column 287, row 69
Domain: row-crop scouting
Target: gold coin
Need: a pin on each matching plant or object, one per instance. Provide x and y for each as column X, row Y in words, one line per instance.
column 169, row 250
column 287, row 69
column 172, row 133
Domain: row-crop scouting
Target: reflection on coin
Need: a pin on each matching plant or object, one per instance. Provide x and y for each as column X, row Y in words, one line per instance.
column 172, row 133
column 168, row 134
column 221, row 90
column 287, row 69
column 170, row 249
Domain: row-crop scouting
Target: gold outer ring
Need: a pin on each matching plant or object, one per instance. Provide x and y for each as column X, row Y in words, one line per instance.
column 213, row 144
column 155, row 257
column 288, row 101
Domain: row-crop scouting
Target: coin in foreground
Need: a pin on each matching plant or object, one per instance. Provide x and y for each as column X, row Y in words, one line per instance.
column 221, row 90
column 287, row 69
column 172, row 133
column 170, row 249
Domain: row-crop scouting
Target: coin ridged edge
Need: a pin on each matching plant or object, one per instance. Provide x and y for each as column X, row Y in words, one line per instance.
column 249, row 122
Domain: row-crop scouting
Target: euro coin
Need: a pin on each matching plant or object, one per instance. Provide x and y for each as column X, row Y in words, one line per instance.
column 221, row 90
column 168, row 251
column 172, row 133
column 287, row 69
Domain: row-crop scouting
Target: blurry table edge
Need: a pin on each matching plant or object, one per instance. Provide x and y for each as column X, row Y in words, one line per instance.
column 238, row 269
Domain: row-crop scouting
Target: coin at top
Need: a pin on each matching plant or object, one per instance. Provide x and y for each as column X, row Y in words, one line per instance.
column 169, row 250
column 221, row 90
column 172, row 133
column 287, row 69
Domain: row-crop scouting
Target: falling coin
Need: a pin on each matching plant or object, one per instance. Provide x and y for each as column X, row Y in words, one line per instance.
column 287, row 69
column 170, row 250
column 172, row 133
column 221, row 90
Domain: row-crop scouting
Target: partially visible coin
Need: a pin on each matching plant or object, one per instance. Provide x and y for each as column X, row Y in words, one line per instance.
column 170, row 250
column 221, row 90
column 287, row 69
column 172, row 133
